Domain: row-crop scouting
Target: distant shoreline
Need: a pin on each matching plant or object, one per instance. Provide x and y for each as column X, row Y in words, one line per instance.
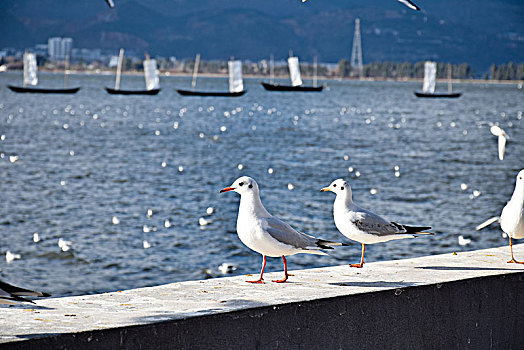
column 256, row 76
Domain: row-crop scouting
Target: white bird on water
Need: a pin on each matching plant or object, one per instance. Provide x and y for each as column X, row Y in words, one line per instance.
column 365, row 226
column 11, row 295
column 267, row 235
column 9, row 257
column 512, row 217
column 502, row 138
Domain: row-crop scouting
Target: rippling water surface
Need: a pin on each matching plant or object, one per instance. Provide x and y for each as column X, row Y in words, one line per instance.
column 86, row 158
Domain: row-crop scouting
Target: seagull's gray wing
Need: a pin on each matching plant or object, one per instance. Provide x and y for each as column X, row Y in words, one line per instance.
column 7, row 298
column 284, row 233
column 18, row 291
column 372, row 223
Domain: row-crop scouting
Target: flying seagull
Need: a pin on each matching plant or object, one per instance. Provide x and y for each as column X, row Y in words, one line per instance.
column 365, row 226
column 10, row 295
column 512, row 217
column 502, row 138
column 408, row 3
column 111, row 4
column 267, row 235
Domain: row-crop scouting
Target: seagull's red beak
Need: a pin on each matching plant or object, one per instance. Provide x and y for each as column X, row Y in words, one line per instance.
column 227, row 189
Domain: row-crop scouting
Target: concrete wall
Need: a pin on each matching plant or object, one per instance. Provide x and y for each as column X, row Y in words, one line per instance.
column 484, row 312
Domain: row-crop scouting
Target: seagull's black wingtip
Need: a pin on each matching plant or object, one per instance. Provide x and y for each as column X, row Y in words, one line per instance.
column 409, row 4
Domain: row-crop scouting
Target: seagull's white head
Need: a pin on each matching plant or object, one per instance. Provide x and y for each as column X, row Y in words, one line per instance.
column 520, row 178
column 243, row 185
column 339, row 187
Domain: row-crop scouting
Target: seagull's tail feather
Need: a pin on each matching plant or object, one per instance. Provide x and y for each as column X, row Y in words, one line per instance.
column 17, row 291
column 13, row 300
column 322, row 243
column 418, row 230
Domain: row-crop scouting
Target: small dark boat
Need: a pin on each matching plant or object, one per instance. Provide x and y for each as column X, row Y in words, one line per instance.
column 296, row 81
column 430, row 79
column 31, row 79
column 438, row 95
column 236, row 84
column 278, row 87
column 43, row 90
column 150, row 75
column 210, row 93
column 132, row 92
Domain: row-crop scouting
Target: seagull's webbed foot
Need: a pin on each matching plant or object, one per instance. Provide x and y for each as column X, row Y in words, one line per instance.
column 260, row 280
column 282, row 280
column 357, row 265
column 513, row 261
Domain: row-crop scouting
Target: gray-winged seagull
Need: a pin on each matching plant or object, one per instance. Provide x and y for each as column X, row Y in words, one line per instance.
column 267, row 235
column 362, row 225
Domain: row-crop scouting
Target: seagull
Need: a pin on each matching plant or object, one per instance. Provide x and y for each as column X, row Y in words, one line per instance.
column 408, row 3
column 512, row 218
column 11, row 295
column 463, row 241
column 111, row 4
column 503, row 137
column 267, row 235
column 365, row 226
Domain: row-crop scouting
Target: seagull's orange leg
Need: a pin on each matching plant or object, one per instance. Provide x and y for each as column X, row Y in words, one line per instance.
column 285, row 271
column 512, row 258
column 362, row 258
column 260, row 280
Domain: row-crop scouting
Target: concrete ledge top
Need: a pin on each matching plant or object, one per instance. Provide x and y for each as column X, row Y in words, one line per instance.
column 220, row 295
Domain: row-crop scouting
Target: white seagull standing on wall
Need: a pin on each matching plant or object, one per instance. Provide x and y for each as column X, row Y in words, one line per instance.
column 267, row 235
column 362, row 225
column 512, row 217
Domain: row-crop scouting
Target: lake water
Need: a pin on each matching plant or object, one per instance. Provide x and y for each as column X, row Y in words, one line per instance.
column 86, row 158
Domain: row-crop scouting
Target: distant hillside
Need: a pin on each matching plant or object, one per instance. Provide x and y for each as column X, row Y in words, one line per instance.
column 480, row 32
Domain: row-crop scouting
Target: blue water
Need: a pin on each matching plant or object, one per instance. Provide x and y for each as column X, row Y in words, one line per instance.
column 86, row 158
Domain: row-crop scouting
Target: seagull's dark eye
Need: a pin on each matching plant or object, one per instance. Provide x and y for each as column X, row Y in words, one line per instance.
column 241, row 184
column 334, row 185
column 250, row 186
column 342, row 188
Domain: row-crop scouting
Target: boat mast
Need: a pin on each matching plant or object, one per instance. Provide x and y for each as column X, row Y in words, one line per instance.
column 66, row 71
column 315, row 68
column 272, row 69
column 119, row 69
column 195, row 71
column 450, row 86
column 25, row 68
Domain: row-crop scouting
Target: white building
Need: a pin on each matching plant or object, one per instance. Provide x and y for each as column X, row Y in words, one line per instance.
column 59, row 48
